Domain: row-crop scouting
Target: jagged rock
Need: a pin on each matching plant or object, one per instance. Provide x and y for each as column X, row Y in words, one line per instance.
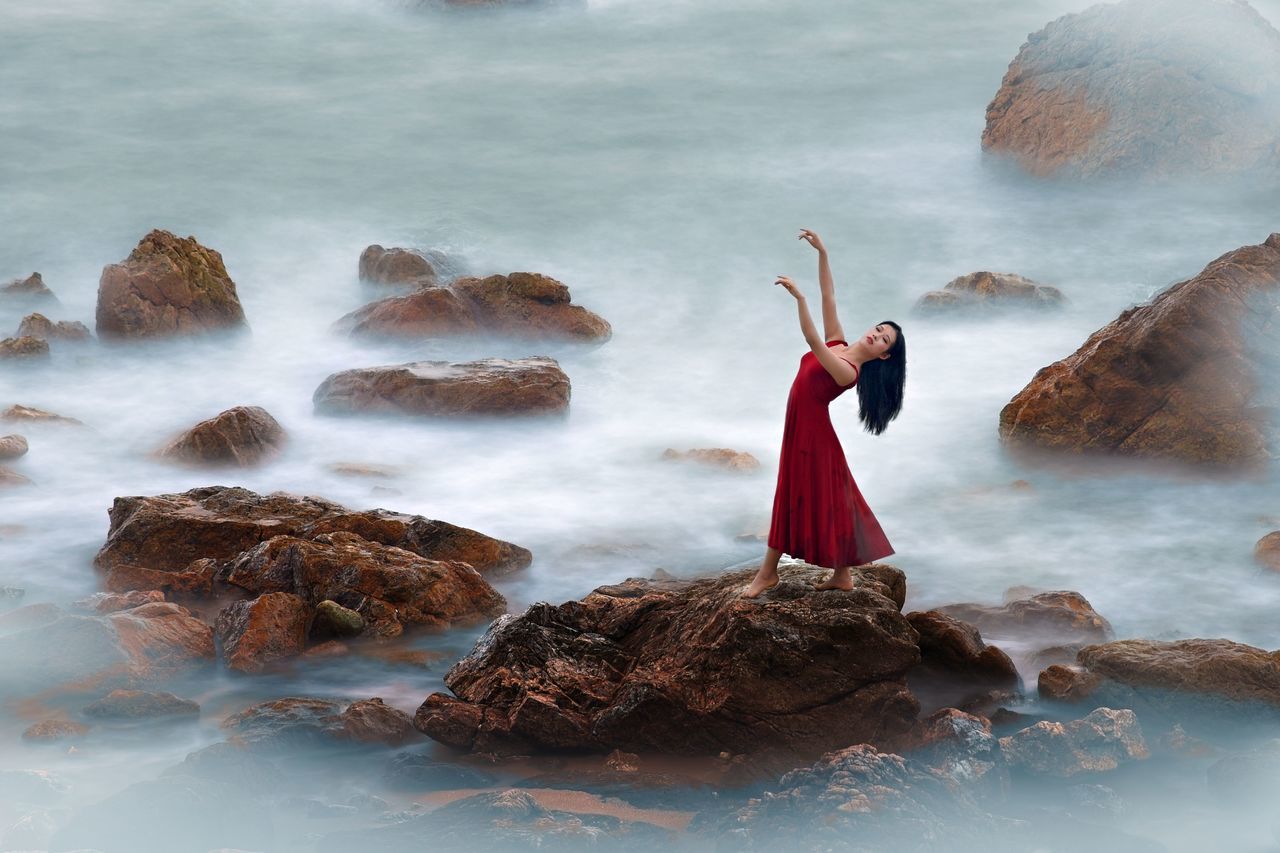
column 152, row 539
column 961, row 746
column 1102, row 741
column 1179, row 379
column 109, row 602
column 242, row 436
column 12, row 446
column 40, row 326
column 29, row 290
column 989, row 290
column 485, row 388
column 134, row 704
column 167, row 286
column 256, row 633
column 522, row 304
column 24, row 349
column 721, row 457
column 685, row 666
column 956, row 667
column 1143, row 87
column 387, row 587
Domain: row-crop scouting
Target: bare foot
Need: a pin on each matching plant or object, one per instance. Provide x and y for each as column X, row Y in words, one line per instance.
column 760, row 583
column 834, row 583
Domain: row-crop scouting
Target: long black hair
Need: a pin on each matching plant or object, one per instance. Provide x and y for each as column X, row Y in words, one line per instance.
column 880, row 385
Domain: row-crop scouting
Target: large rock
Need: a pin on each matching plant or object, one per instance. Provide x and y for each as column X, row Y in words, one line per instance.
column 242, row 436
column 526, row 305
column 1179, row 378
column 989, row 290
column 389, row 587
column 254, row 634
column 151, row 537
column 167, row 286
column 1102, row 741
column 486, row 388
column 1029, row 625
column 957, row 668
column 686, row 666
column 1212, row 676
column 1145, row 87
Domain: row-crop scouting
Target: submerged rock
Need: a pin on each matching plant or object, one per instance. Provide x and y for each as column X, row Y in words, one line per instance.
column 136, row 704
column 989, row 290
column 685, row 666
column 401, row 266
column 24, row 349
column 1180, row 378
column 151, row 538
column 957, row 668
column 40, row 326
column 1059, row 622
column 486, row 388
column 25, row 414
column 720, row 457
column 48, row 731
column 297, row 722
column 1144, row 87
column 1266, row 551
column 167, row 286
column 29, row 290
column 1102, row 741
column 242, row 436
column 522, row 304
column 12, row 446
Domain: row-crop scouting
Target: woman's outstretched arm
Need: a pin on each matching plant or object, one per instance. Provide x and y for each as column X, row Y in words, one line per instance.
column 842, row 371
column 831, row 328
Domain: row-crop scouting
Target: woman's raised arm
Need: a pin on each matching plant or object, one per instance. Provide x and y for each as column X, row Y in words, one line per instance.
column 831, row 328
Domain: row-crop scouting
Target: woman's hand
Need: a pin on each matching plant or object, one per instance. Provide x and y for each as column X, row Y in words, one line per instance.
column 813, row 239
column 790, row 286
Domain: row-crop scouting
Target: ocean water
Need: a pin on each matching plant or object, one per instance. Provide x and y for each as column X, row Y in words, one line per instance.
column 659, row 158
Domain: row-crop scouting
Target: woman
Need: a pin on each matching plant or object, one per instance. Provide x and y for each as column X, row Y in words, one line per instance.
column 819, row 515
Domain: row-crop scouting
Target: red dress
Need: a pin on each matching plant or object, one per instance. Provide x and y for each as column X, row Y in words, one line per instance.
column 819, row 516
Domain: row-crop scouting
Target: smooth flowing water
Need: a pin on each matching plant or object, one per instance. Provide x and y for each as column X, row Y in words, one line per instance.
column 659, row 158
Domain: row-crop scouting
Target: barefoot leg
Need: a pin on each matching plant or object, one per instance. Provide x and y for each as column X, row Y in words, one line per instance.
column 841, row 578
column 767, row 576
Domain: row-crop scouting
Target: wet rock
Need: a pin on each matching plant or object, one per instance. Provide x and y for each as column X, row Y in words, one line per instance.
column 720, row 457
column 1142, row 87
column 12, row 446
column 301, row 722
column 9, row 478
column 1067, row 683
column 401, row 266
column 334, row 620
column 48, row 731
column 882, row 800
column 388, row 588
column 1266, row 552
column 1062, row 615
column 26, row 414
column 254, row 634
column 1101, row 741
column 956, row 667
column 491, row 387
column 413, row 771
column 961, row 746
column 1179, row 379
column 167, row 286
column 211, row 814
column 242, row 436
column 40, row 326
column 29, row 290
column 135, row 704
column 24, row 349
column 522, row 304
column 989, row 290
column 165, row 534
column 109, row 602
column 685, row 667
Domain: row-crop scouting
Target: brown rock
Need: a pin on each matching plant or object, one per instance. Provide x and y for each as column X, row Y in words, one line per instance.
column 40, row 326
column 1102, row 741
column 256, row 633
column 9, row 478
column 1058, row 615
column 1213, row 669
column 958, row 744
column 110, row 602
column 1145, row 87
column 51, row 730
column 134, row 704
column 1176, row 379
column 956, row 667
column 989, row 290
column 29, row 289
column 362, row 469
column 12, row 446
column 486, row 388
column 24, row 349
column 167, row 286
column 242, row 436
column 1266, row 552
column 400, row 266
column 685, row 667
column 720, row 457
column 26, row 414
column 161, row 639
column 388, row 587
column 522, row 304
column 166, row 533
column 301, row 722
column 1063, row 683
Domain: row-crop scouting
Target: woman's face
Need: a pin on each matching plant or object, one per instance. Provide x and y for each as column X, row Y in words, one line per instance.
column 879, row 339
